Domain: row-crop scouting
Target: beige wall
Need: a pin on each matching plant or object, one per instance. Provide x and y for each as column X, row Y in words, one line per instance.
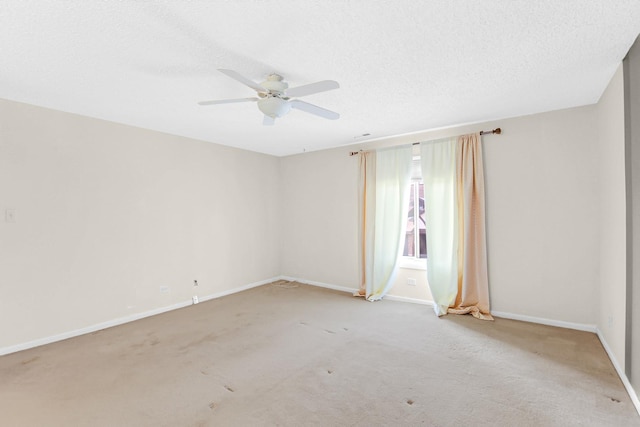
column 106, row 214
column 542, row 215
column 541, row 179
column 611, row 297
column 319, row 217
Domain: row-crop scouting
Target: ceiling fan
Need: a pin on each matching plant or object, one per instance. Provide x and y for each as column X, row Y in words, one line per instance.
column 274, row 96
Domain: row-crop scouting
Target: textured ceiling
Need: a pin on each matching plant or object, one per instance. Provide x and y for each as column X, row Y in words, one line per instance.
column 403, row 66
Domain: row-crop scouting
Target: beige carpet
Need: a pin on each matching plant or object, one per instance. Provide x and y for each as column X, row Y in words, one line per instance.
column 296, row 355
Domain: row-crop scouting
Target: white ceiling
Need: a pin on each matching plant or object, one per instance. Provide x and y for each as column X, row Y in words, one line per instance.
column 403, row 66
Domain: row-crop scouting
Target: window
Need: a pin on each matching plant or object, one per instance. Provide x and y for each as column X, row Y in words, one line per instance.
column 415, row 239
column 415, row 242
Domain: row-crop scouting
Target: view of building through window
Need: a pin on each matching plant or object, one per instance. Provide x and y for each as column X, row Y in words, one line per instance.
column 415, row 243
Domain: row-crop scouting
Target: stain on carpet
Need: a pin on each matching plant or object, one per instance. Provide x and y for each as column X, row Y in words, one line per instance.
column 151, row 341
column 33, row 359
column 207, row 338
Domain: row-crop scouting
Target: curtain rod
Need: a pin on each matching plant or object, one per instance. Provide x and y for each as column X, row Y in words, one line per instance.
column 497, row 131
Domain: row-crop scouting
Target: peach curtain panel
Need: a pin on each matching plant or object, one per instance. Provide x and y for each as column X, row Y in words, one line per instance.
column 473, row 280
column 453, row 176
column 366, row 215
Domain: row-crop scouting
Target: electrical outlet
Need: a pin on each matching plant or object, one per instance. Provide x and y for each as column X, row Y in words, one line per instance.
column 195, row 299
column 411, row 282
column 164, row 289
column 195, row 283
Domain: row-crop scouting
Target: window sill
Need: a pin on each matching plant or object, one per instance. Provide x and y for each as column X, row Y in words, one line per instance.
column 413, row 263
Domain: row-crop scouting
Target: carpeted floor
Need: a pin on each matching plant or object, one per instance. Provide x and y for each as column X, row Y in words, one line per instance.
column 289, row 354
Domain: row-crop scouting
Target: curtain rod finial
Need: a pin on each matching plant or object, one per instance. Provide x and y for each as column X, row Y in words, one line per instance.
column 496, row 131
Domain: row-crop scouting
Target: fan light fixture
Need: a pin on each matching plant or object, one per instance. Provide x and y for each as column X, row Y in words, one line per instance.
column 273, row 106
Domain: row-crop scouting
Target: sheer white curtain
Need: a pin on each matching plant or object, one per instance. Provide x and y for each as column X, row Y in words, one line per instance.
column 381, row 252
column 439, row 177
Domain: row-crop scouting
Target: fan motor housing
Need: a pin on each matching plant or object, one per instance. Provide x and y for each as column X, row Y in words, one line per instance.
column 275, row 84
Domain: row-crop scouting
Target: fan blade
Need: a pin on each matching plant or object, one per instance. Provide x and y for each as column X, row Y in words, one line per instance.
column 314, row 109
column 268, row 120
column 242, row 79
column 312, row 88
column 227, row 101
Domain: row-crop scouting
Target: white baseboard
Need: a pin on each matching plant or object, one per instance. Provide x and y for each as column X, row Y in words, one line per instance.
column 240, row 289
column 407, row 299
column 125, row 319
column 548, row 322
column 354, row 290
column 320, row 284
column 620, row 371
